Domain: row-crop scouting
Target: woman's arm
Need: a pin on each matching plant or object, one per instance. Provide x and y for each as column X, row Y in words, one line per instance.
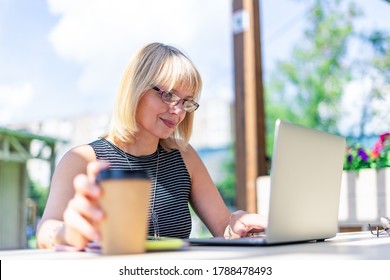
column 205, row 197
column 62, row 198
column 210, row 207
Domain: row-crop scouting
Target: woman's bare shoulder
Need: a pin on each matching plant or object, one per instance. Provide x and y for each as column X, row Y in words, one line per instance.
column 189, row 153
column 192, row 160
column 78, row 157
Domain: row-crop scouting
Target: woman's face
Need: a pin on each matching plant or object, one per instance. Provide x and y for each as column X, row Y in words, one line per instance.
column 158, row 119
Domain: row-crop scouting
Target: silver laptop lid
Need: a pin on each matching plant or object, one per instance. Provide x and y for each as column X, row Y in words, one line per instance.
column 306, row 175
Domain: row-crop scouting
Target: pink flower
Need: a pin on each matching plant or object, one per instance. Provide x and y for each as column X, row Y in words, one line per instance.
column 379, row 145
column 376, row 150
column 384, row 136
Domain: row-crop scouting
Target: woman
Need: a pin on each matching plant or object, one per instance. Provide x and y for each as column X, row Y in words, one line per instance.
column 150, row 130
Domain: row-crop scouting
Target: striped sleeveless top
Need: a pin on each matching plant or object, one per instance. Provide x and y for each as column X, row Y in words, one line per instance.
column 172, row 189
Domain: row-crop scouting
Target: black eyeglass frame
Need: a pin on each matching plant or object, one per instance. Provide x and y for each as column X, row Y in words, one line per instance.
column 188, row 105
column 377, row 231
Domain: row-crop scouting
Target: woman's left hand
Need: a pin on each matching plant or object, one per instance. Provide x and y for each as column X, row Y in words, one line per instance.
column 244, row 224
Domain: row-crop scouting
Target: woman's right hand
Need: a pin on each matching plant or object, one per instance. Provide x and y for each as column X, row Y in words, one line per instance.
column 83, row 213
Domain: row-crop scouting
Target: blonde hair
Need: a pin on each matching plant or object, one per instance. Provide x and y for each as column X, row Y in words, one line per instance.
column 154, row 64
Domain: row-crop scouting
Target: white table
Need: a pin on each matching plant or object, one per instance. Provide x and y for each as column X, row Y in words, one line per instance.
column 345, row 246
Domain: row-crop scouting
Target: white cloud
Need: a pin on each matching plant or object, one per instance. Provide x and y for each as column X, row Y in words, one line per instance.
column 102, row 36
column 14, row 99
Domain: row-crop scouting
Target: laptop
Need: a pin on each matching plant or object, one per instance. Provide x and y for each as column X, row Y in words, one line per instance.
column 306, row 172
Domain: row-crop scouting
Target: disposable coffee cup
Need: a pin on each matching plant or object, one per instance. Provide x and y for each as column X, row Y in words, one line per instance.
column 125, row 202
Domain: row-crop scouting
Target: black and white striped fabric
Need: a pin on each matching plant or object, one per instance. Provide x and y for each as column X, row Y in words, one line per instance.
column 173, row 185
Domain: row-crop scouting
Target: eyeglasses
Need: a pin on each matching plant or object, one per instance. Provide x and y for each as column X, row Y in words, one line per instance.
column 377, row 232
column 385, row 221
column 172, row 99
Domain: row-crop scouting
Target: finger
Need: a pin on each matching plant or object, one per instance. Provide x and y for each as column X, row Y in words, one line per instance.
column 79, row 229
column 87, row 208
column 83, row 186
column 250, row 223
column 74, row 238
column 94, row 167
column 86, row 184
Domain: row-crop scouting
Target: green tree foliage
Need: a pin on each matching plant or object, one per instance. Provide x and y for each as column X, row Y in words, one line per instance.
column 307, row 88
column 39, row 195
column 373, row 65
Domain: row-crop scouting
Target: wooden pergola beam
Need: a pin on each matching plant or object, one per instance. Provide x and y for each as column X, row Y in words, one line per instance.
column 249, row 102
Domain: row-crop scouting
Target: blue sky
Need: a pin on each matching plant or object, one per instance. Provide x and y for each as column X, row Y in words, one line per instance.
column 61, row 58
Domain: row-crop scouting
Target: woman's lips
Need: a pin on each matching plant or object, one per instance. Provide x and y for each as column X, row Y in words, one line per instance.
column 169, row 123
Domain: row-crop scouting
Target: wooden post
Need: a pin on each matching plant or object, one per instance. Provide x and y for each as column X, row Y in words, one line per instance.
column 249, row 105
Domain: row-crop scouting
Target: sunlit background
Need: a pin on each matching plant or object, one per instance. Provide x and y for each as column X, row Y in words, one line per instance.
column 61, row 61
